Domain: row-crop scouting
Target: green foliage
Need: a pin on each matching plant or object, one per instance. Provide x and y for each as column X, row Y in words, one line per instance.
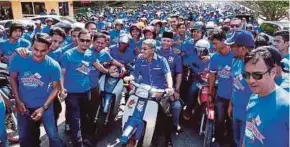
column 271, row 10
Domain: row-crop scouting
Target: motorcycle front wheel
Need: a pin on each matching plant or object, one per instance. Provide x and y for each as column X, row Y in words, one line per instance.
column 99, row 125
column 209, row 132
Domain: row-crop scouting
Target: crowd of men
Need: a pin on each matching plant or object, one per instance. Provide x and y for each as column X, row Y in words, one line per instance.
column 67, row 60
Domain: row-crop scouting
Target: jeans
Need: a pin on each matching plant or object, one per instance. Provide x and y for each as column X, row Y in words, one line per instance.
column 28, row 129
column 77, row 107
column 175, row 109
column 3, row 134
column 222, row 105
column 238, row 131
column 192, row 95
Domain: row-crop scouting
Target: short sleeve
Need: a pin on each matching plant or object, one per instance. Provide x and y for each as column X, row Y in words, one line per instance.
column 213, row 64
column 178, row 64
column 105, row 57
column 56, row 72
column 65, row 60
column 15, row 62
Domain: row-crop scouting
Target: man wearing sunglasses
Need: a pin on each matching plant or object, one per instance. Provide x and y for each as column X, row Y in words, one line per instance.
column 75, row 69
column 267, row 118
column 220, row 66
column 241, row 42
column 30, row 86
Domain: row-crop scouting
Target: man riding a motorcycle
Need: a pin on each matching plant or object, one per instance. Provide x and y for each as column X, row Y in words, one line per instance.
column 155, row 71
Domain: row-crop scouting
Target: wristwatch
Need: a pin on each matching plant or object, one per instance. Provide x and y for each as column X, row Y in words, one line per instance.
column 45, row 107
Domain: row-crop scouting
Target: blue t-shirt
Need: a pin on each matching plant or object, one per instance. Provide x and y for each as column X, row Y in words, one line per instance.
column 222, row 66
column 267, row 121
column 37, row 30
column 283, row 81
column 241, row 90
column 8, row 48
column 95, row 56
column 173, row 60
column 188, row 52
column 56, row 54
column 67, row 47
column 46, row 29
column 127, row 57
column 135, row 45
column 28, row 36
column 76, row 79
column 114, row 36
column 152, row 73
column 34, row 78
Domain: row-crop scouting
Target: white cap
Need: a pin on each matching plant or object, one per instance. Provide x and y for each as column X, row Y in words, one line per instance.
column 37, row 22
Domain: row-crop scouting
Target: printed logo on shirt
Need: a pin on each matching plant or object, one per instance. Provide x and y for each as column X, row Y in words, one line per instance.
column 31, row 80
column 225, row 73
column 170, row 59
column 83, row 68
column 237, row 83
column 252, row 131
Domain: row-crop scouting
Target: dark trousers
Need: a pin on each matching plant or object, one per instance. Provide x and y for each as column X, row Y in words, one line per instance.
column 78, row 107
column 94, row 103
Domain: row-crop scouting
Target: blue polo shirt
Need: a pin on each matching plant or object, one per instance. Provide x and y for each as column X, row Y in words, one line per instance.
column 34, row 78
column 95, row 56
column 127, row 57
column 76, row 79
column 173, row 60
column 267, row 120
column 222, row 66
column 153, row 73
column 133, row 44
column 188, row 52
column 46, row 29
column 8, row 48
column 114, row 36
column 241, row 90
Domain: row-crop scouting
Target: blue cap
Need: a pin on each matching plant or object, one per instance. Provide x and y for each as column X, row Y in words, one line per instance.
column 244, row 38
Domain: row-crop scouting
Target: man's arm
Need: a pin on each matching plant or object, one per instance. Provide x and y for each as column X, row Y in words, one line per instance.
column 99, row 67
column 118, row 64
column 178, row 82
column 14, row 84
column 212, row 79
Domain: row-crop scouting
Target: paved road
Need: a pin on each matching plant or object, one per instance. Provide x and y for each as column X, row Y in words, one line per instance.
column 188, row 138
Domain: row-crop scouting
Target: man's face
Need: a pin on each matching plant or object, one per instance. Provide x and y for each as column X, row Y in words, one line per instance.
column 16, row 34
column 49, row 23
column 218, row 44
column 181, row 30
column 84, row 41
column 259, row 86
column 123, row 46
column 118, row 27
column 157, row 28
column 173, row 22
column 92, row 28
column 146, row 51
column 235, row 25
column 39, row 51
column 74, row 37
column 56, row 42
column 196, row 34
column 166, row 43
column 148, row 35
column 99, row 44
column 280, row 44
column 135, row 33
column 237, row 50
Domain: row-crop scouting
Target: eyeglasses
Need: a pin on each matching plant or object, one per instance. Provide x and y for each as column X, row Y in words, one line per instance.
column 86, row 40
column 236, row 26
column 255, row 75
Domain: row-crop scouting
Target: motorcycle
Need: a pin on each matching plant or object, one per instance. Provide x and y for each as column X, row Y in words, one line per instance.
column 111, row 88
column 140, row 114
column 208, row 114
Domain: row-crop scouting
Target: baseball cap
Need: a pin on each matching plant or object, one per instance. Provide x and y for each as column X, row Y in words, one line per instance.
column 244, row 38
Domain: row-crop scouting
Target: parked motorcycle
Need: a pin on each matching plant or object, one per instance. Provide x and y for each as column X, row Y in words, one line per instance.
column 140, row 114
column 111, row 88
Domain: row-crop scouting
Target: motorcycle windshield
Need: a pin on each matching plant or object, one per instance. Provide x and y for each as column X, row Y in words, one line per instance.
column 111, row 84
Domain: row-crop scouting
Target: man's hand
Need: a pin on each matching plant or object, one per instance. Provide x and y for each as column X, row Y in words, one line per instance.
column 176, row 95
column 205, row 58
column 123, row 70
column 128, row 79
column 37, row 114
column 209, row 99
column 230, row 110
column 3, row 59
column 21, row 107
column 113, row 69
column 62, row 94
column 169, row 91
column 23, row 52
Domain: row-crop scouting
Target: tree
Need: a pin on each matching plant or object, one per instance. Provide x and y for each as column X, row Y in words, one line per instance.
column 270, row 10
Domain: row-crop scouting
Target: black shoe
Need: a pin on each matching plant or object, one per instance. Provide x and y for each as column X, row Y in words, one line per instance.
column 177, row 129
column 169, row 143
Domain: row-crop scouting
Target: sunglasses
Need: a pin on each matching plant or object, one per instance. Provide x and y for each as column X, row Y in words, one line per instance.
column 86, row 40
column 255, row 75
column 236, row 26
